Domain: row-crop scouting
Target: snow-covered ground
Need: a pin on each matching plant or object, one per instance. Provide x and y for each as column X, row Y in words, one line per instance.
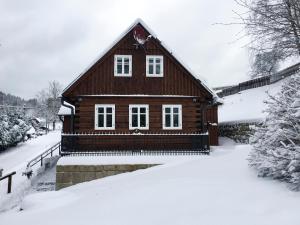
column 16, row 159
column 111, row 160
column 215, row 189
column 247, row 105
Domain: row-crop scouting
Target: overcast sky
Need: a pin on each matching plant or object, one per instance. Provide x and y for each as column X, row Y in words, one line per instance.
column 57, row 39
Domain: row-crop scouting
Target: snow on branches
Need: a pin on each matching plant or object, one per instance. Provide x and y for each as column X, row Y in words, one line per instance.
column 276, row 143
column 13, row 127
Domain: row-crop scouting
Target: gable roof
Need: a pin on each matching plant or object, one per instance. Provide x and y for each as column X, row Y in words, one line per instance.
column 121, row 36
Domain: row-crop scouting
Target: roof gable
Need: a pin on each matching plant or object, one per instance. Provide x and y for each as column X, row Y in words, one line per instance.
column 73, row 84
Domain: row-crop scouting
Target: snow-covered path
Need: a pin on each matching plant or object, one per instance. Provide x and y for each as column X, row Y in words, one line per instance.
column 17, row 157
column 219, row 189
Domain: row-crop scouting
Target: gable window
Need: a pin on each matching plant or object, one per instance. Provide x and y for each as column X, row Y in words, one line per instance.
column 123, row 66
column 154, row 66
column 139, row 117
column 104, row 117
column 172, row 117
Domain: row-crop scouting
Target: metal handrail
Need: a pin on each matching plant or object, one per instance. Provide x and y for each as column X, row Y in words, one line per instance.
column 41, row 156
column 9, row 183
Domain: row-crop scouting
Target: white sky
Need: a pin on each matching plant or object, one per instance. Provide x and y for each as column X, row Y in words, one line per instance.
column 55, row 40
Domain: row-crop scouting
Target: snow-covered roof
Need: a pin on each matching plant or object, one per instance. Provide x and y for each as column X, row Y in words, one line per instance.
column 248, row 105
column 64, row 111
column 153, row 35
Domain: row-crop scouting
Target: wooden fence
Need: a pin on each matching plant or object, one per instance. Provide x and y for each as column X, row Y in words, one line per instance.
column 104, row 144
column 261, row 81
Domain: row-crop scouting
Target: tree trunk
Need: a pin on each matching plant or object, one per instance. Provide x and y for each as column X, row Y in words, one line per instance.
column 293, row 24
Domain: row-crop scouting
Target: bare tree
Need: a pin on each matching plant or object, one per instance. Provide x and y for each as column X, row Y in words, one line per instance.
column 273, row 24
column 49, row 103
column 264, row 64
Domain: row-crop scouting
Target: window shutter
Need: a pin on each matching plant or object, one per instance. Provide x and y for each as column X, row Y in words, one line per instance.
column 130, row 65
column 113, row 116
column 115, row 65
column 130, row 117
column 162, row 65
column 180, row 116
column 147, row 116
column 95, row 116
column 164, row 117
column 147, row 65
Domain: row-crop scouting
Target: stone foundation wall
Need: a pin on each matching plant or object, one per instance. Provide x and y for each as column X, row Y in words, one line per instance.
column 68, row 175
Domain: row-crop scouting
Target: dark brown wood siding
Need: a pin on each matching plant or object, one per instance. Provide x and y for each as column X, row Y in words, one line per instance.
column 212, row 120
column 85, row 114
column 99, row 79
column 67, row 124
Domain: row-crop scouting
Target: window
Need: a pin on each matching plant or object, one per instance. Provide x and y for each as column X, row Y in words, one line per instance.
column 154, row 66
column 139, row 117
column 104, row 117
column 123, row 65
column 172, row 117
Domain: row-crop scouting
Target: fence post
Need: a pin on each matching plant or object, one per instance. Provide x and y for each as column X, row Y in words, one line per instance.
column 9, row 184
column 41, row 160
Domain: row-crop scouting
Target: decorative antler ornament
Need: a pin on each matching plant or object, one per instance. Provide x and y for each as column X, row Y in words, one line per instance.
column 140, row 36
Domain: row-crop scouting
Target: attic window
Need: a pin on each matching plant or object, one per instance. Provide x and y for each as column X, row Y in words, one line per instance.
column 123, row 66
column 154, row 66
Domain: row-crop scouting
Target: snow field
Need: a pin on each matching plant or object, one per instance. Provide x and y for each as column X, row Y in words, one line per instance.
column 247, row 105
column 215, row 189
column 16, row 159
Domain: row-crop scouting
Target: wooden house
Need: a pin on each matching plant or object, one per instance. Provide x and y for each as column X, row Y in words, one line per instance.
column 138, row 96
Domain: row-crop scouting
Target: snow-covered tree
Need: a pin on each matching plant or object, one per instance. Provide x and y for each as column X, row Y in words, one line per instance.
column 272, row 24
column 264, row 64
column 13, row 126
column 276, row 143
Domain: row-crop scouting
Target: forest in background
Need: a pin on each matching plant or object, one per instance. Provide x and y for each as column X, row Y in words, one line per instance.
column 22, row 119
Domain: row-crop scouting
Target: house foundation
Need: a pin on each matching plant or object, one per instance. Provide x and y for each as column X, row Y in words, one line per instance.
column 68, row 175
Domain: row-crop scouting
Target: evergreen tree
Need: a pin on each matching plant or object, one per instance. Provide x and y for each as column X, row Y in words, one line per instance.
column 276, row 143
column 13, row 127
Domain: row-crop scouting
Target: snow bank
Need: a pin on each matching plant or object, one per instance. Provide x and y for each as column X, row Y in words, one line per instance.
column 16, row 159
column 113, row 160
column 211, row 190
column 248, row 105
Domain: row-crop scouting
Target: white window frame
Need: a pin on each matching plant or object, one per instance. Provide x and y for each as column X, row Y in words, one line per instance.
column 116, row 74
column 154, row 57
column 105, row 106
column 171, row 117
column 147, row 117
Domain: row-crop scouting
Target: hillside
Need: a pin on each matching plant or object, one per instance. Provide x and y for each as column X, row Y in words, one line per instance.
column 12, row 100
column 247, row 105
